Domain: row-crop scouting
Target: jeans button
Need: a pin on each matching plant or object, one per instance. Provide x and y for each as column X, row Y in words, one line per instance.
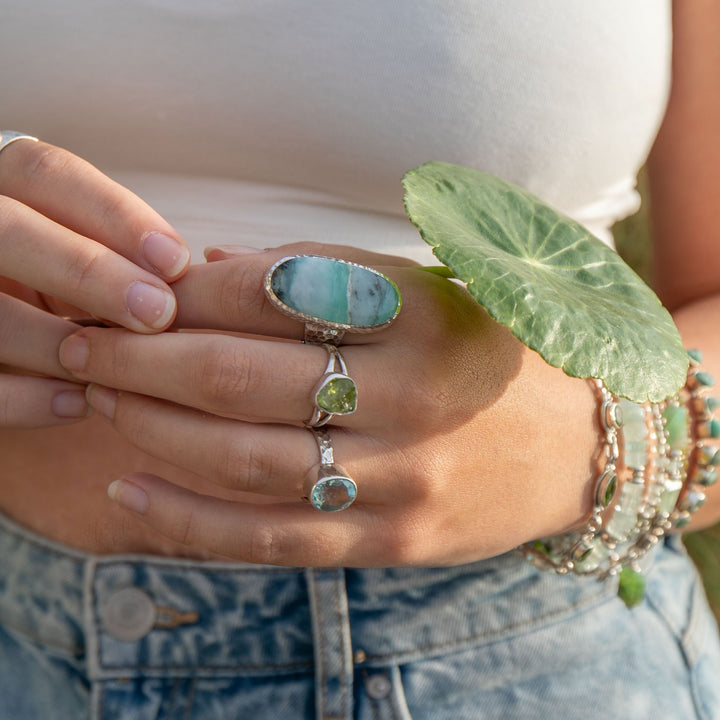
column 378, row 687
column 128, row 614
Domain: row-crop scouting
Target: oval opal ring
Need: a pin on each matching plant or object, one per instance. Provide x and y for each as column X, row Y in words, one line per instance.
column 332, row 296
column 335, row 393
column 10, row 136
column 328, row 487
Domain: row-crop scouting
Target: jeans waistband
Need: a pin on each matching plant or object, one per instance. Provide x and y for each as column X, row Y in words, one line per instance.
column 154, row 614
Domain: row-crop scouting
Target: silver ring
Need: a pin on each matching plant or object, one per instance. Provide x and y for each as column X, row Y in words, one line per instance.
column 10, row 136
column 332, row 296
column 335, row 392
column 328, row 487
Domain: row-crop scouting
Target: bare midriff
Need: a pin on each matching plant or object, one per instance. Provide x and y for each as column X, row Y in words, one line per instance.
column 54, row 482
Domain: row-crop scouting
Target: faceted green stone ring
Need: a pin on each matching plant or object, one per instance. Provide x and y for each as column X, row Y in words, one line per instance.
column 335, row 393
column 328, row 487
column 332, row 296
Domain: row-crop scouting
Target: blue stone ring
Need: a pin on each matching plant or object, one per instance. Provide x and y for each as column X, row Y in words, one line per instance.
column 328, row 487
column 332, row 296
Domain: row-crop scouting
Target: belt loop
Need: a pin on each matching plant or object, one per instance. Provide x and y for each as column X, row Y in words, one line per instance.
column 332, row 644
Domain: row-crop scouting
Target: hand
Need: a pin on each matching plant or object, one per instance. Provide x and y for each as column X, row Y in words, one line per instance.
column 72, row 242
column 464, row 443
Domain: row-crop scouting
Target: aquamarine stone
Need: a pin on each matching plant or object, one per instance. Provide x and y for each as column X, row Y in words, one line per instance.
column 335, row 291
column 333, row 493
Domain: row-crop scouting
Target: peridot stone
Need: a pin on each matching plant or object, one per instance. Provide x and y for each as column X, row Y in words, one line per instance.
column 338, row 396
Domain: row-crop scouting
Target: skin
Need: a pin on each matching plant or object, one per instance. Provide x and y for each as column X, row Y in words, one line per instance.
column 461, row 435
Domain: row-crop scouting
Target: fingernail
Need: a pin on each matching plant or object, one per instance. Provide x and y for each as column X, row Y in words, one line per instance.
column 73, row 353
column 165, row 254
column 70, row 404
column 151, row 305
column 103, row 399
column 129, row 496
column 230, row 250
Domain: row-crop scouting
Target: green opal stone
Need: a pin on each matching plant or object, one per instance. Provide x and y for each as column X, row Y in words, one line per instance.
column 631, row 588
column 676, row 427
column 334, row 291
column 338, row 396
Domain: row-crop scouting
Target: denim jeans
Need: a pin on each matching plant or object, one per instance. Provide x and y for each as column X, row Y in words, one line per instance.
column 137, row 637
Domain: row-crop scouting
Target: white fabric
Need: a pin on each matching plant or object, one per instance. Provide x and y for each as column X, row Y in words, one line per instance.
column 269, row 121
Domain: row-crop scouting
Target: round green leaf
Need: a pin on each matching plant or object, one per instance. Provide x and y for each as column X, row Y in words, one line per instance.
column 560, row 290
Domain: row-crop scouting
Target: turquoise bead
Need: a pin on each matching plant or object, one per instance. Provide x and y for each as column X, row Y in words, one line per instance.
column 705, row 378
column 713, row 428
column 696, row 355
column 334, row 291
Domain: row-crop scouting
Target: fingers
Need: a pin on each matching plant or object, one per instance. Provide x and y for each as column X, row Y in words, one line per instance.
column 74, row 194
column 220, row 374
column 71, row 233
column 266, row 459
column 290, row 534
column 230, row 295
column 29, row 338
column 51, row 259
column 32, row 402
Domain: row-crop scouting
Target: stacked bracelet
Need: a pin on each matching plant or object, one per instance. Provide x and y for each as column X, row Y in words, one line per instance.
column 656, row 463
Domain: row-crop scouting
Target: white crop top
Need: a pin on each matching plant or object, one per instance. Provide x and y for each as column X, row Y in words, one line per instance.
column 262, row 122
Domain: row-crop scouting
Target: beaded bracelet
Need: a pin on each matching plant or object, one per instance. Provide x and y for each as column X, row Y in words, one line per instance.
column 656, row 463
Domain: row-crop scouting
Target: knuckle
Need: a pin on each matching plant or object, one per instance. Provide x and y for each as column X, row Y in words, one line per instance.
column 241, row 288
column 223, row 374
column 266, row 546
column 241, row 466
column 44, row 163
column 11, row 216
column 82, row 266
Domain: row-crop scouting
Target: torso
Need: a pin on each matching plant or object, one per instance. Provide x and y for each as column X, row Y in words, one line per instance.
column 285, row 99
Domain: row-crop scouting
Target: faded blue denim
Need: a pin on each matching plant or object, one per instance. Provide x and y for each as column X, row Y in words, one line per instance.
column 140, row 638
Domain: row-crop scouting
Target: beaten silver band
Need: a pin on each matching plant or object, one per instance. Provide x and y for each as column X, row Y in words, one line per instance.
column 10, row 136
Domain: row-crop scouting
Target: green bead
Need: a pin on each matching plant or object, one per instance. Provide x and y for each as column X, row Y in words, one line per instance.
column 713, row 428
column 709, row 455
column 705, row 378
column 338, row 395
column 676, row 427
column 696, row 355
column 706, row 477
column 711, row 404
column 631, row 588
